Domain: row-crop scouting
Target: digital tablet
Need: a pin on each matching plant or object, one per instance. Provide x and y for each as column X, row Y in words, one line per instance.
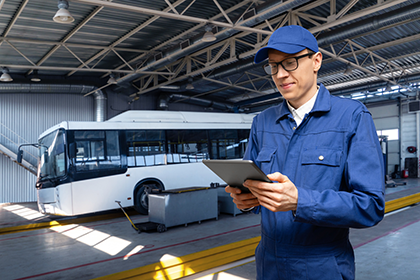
column 236, row 172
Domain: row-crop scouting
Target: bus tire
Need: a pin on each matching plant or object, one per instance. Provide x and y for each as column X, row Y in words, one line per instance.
column 141, row 201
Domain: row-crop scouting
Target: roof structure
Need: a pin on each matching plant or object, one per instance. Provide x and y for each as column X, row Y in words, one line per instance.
column 371, row 48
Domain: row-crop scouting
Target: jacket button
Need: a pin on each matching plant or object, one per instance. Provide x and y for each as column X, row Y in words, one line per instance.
column 321, row 158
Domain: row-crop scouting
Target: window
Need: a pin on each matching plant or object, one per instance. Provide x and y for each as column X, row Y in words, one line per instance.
column 97, row 150
column 145, row 147
column 187, row 146
column 157, row 147
column 228, row 143
column 52, row 156
column 391, row 133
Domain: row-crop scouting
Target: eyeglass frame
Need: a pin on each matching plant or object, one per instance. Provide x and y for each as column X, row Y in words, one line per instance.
column 281, row 63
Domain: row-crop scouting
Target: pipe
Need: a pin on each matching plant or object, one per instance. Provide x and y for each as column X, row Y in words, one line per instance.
column 410, row 12
column 198, row 44
column 197, row 101
column 99, row 106
column 373, row 86
column 99, row 97
column 44, row 88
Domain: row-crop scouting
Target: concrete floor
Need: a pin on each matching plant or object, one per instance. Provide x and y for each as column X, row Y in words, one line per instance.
column 89, row 250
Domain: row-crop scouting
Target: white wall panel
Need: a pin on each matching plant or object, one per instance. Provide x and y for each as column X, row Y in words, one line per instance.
column 409, row 130
column 384, row 111
column 386, row 123
column 386, row 117
column 29, row 115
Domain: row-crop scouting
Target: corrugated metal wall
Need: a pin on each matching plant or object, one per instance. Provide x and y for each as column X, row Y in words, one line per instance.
column 29, row 115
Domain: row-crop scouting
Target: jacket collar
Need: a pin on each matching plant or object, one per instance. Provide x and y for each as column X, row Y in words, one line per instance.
column 322, row 104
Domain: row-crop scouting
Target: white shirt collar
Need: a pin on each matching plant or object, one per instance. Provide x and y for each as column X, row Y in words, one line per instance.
column 299, row 113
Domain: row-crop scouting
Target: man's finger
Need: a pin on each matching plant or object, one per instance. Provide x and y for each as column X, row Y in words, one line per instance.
column 278, row 177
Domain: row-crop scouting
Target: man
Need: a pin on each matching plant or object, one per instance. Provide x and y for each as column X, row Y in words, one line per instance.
column 323, row 155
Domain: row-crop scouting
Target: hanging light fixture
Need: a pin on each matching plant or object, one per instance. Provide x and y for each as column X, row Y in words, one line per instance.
column 112, row 79
column 190, row 85
column 348, row 70
column 63, row 15
column 5, row 77
column 388, row 87
column 208, row 36
column 35, row 77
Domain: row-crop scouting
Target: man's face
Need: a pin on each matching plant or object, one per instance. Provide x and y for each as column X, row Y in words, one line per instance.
column 296, row 86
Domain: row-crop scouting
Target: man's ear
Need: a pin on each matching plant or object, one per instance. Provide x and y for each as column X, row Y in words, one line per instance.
column 317, row 61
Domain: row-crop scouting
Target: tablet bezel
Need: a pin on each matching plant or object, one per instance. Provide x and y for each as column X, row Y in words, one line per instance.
column 236, row 172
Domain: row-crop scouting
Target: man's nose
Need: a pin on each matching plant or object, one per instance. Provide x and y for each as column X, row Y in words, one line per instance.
column 281, row 73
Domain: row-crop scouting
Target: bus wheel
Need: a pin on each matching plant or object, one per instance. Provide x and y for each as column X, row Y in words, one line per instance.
column 141, row 199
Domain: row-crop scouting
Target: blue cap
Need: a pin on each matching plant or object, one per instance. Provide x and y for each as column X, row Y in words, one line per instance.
column 288, row 39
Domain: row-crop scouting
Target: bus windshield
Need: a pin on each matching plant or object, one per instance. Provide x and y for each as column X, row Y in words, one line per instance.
column 52, row 162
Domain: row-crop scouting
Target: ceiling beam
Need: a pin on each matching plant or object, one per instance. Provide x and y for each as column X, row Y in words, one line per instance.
column 182, row 35
column 15, row 18
column 355, row 15
column 95, row 70
column 67, row 37
column 172, row 16
column 75, row 45
column 128, row 35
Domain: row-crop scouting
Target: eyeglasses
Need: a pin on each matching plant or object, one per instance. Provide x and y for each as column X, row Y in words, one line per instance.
column 289, row 64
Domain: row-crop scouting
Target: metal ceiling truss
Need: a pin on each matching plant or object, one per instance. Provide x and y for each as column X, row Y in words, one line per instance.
column 372, row 64
column 239, row 83
column 201, row 63
column 367, row 62
column 157, row 15
column 142, row 58
column 67, row 37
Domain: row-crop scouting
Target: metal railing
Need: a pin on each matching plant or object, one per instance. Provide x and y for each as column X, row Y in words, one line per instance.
column 12, row 141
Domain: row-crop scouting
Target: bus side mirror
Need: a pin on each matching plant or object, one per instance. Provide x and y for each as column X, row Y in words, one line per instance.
column 72, row 150
column 19, row 156
column 46, row 157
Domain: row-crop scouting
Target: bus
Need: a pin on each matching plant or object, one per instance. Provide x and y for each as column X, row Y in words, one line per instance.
column 85, row 167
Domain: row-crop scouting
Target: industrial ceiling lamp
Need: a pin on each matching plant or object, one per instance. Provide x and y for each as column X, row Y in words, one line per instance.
column 112, row 79
column 5, row 77
column 348, row 70
column 35, row 77
column 208, row 36
column 63, row 15
column 190, row 85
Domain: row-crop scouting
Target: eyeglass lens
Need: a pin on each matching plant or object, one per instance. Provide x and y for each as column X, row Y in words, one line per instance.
column 289, row 64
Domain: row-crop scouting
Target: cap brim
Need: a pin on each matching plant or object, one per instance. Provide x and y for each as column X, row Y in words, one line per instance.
column 262, row 54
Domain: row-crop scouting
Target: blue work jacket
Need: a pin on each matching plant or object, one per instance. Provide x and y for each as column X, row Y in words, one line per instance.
column 335, row 160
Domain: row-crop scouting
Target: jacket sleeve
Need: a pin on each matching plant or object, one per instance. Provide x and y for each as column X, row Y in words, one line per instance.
column 360, row 200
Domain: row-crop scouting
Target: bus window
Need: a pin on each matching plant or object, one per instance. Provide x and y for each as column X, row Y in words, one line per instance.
column 186, row 146
column 145, row 147
column 97, row 150
column 228, row 143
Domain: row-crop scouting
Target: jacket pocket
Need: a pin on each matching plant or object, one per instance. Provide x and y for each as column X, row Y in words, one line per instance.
column 322, row 157
column 265, row 159
column 320, row 169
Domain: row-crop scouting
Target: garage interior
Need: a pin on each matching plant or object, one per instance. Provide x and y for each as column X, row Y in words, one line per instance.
column 109, row 57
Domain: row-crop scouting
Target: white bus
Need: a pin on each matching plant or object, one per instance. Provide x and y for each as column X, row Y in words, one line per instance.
column 85, row 167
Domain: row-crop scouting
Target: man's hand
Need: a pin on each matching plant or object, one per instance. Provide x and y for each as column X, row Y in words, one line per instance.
column 281, row 196
column 242, row 200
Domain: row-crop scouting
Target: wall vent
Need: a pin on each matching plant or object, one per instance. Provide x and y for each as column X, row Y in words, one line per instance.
column 414, row 106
